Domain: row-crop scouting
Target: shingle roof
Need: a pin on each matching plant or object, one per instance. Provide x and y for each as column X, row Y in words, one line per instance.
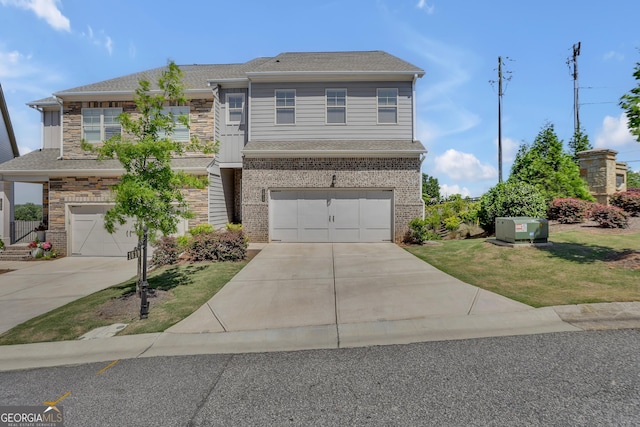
column 46, row 162
column 196, row 76
column 372, row 61
column 334, row 148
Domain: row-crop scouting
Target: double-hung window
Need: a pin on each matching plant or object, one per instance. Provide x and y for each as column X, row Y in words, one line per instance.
column 336, row 106
column 285, row 106
column 180, row 130
column 388, row 106
column 235, row 108
column 100, row 124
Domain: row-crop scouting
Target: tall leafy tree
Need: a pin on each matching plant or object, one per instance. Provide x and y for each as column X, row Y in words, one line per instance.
column 630, row 103
column 150, row 191
column 430, row 188
column 28, row 212
column 579, row 142
column 546, row 166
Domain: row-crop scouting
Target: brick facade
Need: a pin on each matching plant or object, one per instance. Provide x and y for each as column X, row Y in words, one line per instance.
column 399, row 174
column 200, row 122
column 97, row 190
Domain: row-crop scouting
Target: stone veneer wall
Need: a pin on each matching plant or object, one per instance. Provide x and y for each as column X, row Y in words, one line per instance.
column 96, row 190
column 599, row 168
column 200, row 121
column 400, row 174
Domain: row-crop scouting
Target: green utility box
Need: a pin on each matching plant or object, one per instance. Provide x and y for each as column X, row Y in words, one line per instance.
column 522, row 230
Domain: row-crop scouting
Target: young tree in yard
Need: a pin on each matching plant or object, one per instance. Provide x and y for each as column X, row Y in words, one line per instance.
column 546, row 166
column 579, row 142
column 150, row 191
column 630, row 103
column 430, row 188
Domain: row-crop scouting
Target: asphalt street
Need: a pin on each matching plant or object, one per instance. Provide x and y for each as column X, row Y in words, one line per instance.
column 568, row 379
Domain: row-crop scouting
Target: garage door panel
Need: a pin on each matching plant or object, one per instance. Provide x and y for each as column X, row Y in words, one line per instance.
column 331, row 216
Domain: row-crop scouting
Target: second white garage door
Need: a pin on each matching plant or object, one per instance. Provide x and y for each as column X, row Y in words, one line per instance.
column 331, row 216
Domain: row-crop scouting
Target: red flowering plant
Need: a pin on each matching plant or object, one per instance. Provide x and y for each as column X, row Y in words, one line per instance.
column 45, row 246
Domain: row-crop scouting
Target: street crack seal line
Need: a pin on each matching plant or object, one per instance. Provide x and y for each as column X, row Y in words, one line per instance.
column 101, row 371
column 52, row 405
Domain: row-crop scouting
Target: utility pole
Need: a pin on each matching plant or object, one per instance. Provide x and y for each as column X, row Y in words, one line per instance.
column 499, row 119
column 576, row 101
column 501, row 78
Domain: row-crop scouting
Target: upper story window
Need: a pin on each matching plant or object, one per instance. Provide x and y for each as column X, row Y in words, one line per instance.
column 100, row 124
column 235, row 108
column 388, row 106
column 285, row 106
column 336, row 106
column 180, row 130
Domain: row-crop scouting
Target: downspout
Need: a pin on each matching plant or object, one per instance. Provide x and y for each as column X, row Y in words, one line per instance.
column 248, row 113
column 422, row 157
column 59, row 101
column 413, row 113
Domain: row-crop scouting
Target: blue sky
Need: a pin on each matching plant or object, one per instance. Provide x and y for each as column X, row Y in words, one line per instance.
column 51, row 45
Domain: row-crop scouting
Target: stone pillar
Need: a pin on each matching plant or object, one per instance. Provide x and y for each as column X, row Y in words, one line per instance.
column 599, row 168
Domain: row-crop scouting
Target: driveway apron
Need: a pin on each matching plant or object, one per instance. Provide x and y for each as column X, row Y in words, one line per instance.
column 290, row 285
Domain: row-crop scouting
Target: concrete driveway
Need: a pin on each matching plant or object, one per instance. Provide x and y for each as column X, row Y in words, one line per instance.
column 36, row 287
column 356, row 287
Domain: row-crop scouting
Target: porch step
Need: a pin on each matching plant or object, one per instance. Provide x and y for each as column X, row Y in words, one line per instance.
column 19, row 252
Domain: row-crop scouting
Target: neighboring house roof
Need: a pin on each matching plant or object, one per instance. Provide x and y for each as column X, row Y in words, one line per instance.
column 333, row 148
column 6, row 130
column 45, row 163
column 197, row 77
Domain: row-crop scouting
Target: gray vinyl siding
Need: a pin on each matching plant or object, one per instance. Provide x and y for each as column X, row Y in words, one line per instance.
column 6, row 153
column 51, row 129
column 217, row 207
column 233, row 137
column 362, row 112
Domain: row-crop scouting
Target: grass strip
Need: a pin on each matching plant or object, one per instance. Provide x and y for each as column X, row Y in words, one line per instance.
column 184, row 288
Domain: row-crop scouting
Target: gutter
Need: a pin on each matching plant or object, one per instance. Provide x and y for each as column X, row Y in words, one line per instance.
column 329, row 153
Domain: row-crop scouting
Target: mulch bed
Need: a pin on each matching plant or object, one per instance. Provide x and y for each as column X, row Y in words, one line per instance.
column 128, row 306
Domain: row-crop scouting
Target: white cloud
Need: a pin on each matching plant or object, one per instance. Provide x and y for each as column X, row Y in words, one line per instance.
column 109, row 45
column 448, row 190
column 612, row 54
column 132, row 50
column 44, row 9
column 422, row 4
column 99, row 39
column 11, row 64
column 614, row 133
column 509, row 149
column 463, row 166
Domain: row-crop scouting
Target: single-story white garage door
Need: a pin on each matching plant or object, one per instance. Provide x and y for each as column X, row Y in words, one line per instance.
column 331, row 216
column 89, row 237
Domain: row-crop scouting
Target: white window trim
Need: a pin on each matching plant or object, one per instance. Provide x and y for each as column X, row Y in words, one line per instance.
column 378, row 105
column 327, row 106
column 275, row 104
column 102, row 124
column 244, row 100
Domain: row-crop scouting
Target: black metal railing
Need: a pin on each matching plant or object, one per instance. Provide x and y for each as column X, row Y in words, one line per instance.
column 23, row 231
